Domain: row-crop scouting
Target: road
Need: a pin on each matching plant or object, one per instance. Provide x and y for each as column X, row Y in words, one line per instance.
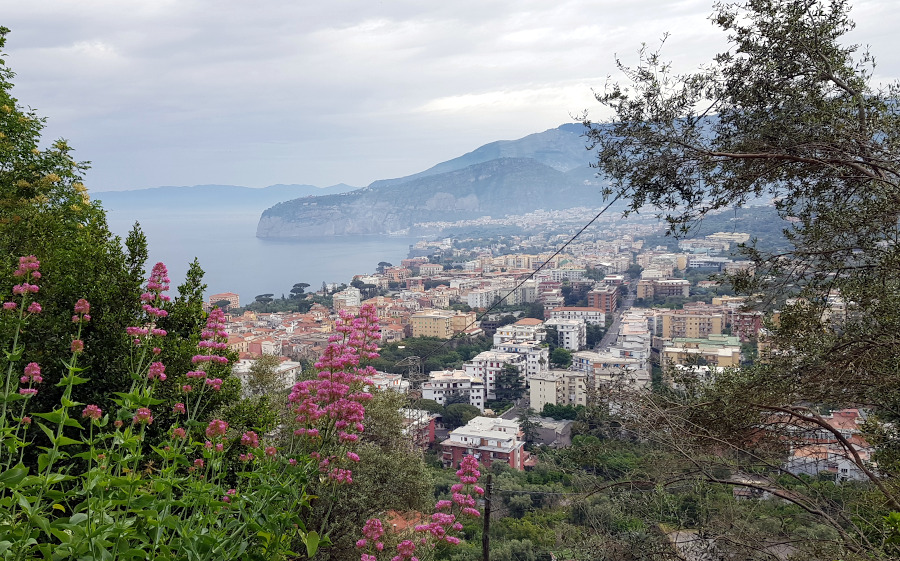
column 613, row 332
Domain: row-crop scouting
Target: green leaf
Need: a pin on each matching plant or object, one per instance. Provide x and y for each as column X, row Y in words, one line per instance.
column 13, row 476
column 312, row 541
column 55, row 416
column 77, row 518
column 65, row 441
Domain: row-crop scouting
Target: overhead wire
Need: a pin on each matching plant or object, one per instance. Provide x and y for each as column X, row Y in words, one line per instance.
column 526, row 279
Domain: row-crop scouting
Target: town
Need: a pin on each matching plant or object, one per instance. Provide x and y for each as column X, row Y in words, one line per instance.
column 559, row 331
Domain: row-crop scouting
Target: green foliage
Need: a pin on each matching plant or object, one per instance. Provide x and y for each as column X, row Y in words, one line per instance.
column 560, row 357
column 561, row 412
column 788, row 113
column 458, row 414
column 509, row 384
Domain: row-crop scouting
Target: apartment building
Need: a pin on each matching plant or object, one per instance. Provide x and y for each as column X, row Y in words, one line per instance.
column 692, row 324
column 488, row 365
column 526, row 329
column 537, row 356
column 558, row 387
column 489, row 440
column 604, row 297
column 442, row 385
column 572, row 334
column 589, row 315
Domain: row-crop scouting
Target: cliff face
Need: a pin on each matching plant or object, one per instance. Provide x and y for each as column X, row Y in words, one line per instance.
column 497, row 187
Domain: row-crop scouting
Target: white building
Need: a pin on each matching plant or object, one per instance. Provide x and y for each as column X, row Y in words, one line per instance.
column 489, row 364
column 443, row 384
column 524, row 330
column 537, row 356
column 572, row 333
column 559, row 387
column 592, row 316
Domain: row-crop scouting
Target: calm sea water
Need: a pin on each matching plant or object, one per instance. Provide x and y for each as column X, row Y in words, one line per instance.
column 235, row 260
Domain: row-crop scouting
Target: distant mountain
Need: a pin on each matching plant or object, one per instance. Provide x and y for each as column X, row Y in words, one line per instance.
column 549, row 170
column 499, row 187
column 210, row 197
column 562, row 149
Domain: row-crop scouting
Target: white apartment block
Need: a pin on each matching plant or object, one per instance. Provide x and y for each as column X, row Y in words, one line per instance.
column 487, row 366
column 524, row 330
column 537, row 356
column 443, row 384
column 572, row 332
column 592, row 316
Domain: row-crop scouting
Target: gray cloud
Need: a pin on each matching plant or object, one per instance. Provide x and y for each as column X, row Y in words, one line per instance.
column 195, row 91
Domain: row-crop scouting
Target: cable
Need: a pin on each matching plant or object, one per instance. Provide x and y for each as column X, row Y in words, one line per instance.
column 528, row 278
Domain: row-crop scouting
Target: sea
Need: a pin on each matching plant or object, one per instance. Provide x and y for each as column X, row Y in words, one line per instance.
column 235, row 260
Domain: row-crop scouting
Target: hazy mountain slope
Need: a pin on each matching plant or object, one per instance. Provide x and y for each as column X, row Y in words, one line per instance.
column 562, row 148
column 497, row 187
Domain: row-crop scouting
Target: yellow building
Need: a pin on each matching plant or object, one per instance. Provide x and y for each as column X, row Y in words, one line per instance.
column 683, row 323
column 432, row 323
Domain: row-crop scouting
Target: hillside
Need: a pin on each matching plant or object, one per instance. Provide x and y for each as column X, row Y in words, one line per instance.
column 548, row 170
column 494, row 188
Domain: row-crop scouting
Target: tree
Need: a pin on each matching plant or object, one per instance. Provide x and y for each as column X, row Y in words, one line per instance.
column 299, row 289
column 528, row 426
column 382, row 265
column 560, row 357
column 788, row 113
column 458, row 414
column 263, row 377
column 222, row 304
column 509, row 385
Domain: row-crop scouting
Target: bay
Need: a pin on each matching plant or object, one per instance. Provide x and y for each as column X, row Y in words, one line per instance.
column 235, row 260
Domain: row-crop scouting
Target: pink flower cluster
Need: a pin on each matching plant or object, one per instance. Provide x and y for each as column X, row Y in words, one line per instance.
column 82, row 309
column 157, row 371
column 153, row 300
column 31, row 376
column 331, row 406
column 143, row 416
column 214, row 337
column 250, row 439
column 28, row 272
column 216, row 427
column 92, row 412
column 444, row 526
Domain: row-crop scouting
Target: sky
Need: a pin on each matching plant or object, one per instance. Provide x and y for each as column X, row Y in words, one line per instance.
column 254, row 93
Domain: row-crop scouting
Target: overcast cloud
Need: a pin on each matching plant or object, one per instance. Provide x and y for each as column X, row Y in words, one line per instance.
column 183, row 92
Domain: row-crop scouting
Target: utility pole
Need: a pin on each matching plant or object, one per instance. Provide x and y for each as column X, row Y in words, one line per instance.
column 486, row 529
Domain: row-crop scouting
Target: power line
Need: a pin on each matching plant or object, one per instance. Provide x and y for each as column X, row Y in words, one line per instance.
column 529, row 277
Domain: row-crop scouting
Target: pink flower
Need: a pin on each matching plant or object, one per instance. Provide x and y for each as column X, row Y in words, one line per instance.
column 143, row 416
column 250, row 439
column 220, row 447
column 92, row 412
column 77, row 345
column 215, row 383
column 28, row 391
column 179, row 409
column 361, row 543
column 271, row 451
column 367, row 557
column 26, row 420
column 32, row 373
column 157, row 371
column 373, row 529
column 10, row 305
column 216, row 427
column 34, row 308
column 199, row 463
column 186, row 388
column 352, row 456
column 118, row 423
column 82, row 307
column 179, row 432
column 406, row 548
